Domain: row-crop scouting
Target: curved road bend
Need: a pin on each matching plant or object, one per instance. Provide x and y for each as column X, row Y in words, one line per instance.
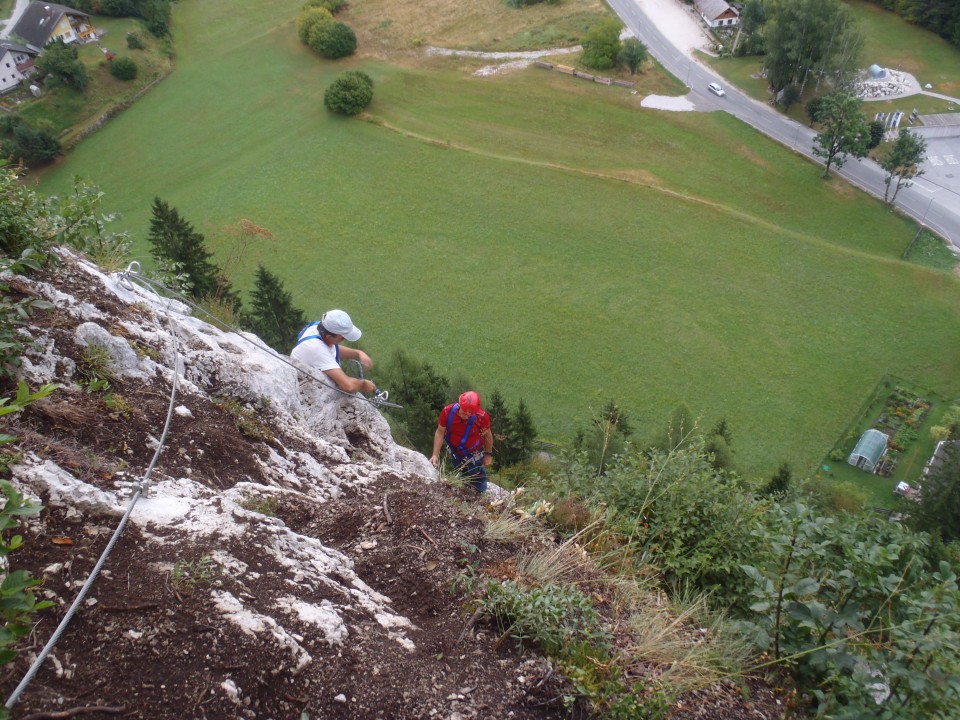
column 936, row 207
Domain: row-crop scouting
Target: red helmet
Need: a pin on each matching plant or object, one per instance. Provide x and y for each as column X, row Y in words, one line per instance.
column 469, row 402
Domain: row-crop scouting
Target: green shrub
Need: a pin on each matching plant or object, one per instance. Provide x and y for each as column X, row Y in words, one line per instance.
column 123, row 69
column 308, row 18
column 332, row 40
column 350, row 93
column 334, row 6
column 134, row 41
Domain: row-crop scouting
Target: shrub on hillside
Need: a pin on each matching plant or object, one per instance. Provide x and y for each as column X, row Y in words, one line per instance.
column 332, row 41
column 31, row 146
column 334, row 6
column 601, row 45
column 308, row 18
column 134, row 41
column 123, row 69
column 350, row 93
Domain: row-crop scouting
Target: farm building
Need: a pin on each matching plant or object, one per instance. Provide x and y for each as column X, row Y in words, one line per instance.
column 869, row 450
column 717, row 13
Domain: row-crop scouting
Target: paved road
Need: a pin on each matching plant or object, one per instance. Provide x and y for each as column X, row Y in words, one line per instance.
column 18, row 9
column 936, row 206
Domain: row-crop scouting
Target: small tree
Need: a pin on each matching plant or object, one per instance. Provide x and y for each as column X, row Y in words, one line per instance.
column 332, row 40
column 175, row 243
column 350, row 93
column 844, row 133
column 310, row 17
column 123, row 69
column 422, row 391
column 273, row 315
column 903, row 163
column 334, row 6
column 500, row 426
column 522, row 434
column 779, row 484
column 876, row 134
column 61, row 62
column 791, row 93
column 32, row 146
column 633, row 54
column 814, row 108
column 601, row 45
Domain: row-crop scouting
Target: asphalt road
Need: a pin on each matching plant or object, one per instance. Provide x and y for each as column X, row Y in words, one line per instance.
column 934, row 204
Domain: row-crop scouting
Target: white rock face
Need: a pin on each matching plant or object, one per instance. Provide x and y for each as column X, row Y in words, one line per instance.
column 343, row 442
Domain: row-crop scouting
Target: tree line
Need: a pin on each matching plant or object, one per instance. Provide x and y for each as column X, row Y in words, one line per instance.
column 939, row 16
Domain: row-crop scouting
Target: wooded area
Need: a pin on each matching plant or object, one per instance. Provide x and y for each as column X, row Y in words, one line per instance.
column 939, row 16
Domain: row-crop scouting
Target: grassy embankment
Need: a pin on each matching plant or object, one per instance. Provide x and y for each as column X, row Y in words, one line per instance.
column 544, row 235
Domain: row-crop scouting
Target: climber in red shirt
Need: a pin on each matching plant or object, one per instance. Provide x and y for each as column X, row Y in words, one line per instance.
column 465, row 427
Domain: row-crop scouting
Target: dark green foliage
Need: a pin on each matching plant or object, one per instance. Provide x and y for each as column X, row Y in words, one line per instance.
column 605, row 438
column 844, row 131
column 679, row 429
column 60, row 62
column 876, row 134
column 500, row 426
column 903, row 163
column 791, row 93
column 179, row 247
column 633, row 54
column 814, row 108
column 938, row 510
column 154, row 13
column 332, row 40
column 939, row 16
column 752, row 19
column 16, row 230
column 16, row 312
column 807, row 39
column 33, row 147
column 272, row 315
column 601, row 45
column 521, row 437
column 779, row 484
column 350, row 93
column 134, row 41
column 123, row 69
column 333, row 6
column 422, row 391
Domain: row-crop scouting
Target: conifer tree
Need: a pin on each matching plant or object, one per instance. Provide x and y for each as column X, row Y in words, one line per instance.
column 500, row 425
column 176, row 244
column 273, row 315
column 522, row 435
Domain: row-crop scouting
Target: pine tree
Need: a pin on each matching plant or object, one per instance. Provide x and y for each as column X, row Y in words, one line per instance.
column 177, row 245
column 500, row 426
column 779, row 484
column 273, row 315
column 522, row 435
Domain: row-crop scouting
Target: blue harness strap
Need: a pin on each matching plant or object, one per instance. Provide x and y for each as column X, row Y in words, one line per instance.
column 462, row 448
column 302, row 337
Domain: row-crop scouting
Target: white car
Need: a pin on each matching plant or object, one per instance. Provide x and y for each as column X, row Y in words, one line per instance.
column 716, row 89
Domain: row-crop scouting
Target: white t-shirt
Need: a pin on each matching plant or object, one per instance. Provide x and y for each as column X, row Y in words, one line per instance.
column 315, row 352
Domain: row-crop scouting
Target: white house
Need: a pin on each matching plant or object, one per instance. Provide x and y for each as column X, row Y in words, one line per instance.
column 16, row 63
column 717, row 13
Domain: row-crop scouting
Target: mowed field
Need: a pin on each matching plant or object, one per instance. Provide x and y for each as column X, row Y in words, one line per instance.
column 542, row 235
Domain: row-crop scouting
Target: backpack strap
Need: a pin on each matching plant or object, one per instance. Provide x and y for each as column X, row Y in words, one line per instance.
column 302, row 337
column 462, row 448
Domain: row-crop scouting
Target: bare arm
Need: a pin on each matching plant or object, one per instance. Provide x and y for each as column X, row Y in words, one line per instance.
column 349, row 384
column 437, row 444
column 354, row 354
column 487, row 446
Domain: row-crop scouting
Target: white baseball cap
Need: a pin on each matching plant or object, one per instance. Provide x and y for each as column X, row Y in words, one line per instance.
column 338, row 322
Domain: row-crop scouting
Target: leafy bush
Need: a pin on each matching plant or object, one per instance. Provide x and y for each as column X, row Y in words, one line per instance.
column 134, row 41
column 16, row 313
column 123, row 69
column 350, row 93
column 61, row 62
column 310, row 17
column 332, row 40
column 31, row 146
column 334, row 6
column 601, row 45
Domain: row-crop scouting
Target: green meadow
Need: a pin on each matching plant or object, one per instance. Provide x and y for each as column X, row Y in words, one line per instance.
column 540, row 234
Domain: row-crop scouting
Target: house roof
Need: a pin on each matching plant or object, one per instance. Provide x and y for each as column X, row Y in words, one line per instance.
column 712, row 9
column 6, row 45
column 939, row 457
column 38, row 21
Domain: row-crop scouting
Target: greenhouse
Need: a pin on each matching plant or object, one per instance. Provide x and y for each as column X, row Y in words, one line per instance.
column 870, row 448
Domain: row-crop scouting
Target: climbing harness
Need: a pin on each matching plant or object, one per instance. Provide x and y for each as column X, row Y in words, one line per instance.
column 461, row 452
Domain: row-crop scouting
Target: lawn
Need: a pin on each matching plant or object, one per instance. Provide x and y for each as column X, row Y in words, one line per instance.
column 544, row 235
column 67, row 112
